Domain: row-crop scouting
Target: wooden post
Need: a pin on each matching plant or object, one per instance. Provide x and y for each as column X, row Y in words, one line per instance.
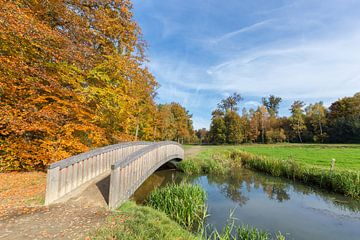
column 113, row 188
column 332, row 164
column 52, row 185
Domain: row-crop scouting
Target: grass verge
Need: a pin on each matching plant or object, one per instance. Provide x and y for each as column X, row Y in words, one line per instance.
column 216, row 161
column 210, row 161
column 134, row 222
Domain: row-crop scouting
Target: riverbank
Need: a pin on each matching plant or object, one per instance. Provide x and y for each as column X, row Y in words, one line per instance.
column 173, row 212
column 220, row 159
column 135, row 222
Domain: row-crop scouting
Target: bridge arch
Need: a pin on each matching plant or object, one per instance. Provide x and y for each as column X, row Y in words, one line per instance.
column 129, row 165
column 129, row 173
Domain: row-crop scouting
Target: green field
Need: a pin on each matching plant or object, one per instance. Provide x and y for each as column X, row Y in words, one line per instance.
column 347, row 156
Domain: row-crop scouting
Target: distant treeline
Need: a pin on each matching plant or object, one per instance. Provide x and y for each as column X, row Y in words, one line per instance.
column 340, row 123
column 72, row 78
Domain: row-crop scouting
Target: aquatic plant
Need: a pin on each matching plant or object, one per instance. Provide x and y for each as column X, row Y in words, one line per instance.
column 243, row 232
column 184, row 203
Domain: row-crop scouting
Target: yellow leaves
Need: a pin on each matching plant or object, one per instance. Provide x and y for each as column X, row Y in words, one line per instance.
column 70, row 82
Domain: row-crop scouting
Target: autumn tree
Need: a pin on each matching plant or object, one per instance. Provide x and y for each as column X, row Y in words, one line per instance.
column 234, row 133
column 254, row 125
column 72, row 78
column 316, row 114
column 245, row 125
column 297, row 121
column 174, row 123
column 202, row 135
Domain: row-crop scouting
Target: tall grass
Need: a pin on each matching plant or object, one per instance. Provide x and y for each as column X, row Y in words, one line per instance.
column 244, row 232
column 344, row 182
column 134, row 222
column 184, row 203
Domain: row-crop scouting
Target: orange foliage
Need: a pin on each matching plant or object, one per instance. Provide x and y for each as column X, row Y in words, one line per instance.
column 71, row 79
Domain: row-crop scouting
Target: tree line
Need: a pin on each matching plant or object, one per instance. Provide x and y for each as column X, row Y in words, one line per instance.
column 314, row 123
column 72, row 78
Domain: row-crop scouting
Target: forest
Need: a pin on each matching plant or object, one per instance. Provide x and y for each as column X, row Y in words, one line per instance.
column 72, row 78
column 314, row 123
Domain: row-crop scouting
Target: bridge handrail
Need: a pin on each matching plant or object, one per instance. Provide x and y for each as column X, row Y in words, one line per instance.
column 83, row 156
column 128, row 173
column 141, row 152
column 67, row 175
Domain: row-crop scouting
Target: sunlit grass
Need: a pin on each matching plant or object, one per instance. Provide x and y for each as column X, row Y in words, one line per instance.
column 184, row 203
column 134, row 222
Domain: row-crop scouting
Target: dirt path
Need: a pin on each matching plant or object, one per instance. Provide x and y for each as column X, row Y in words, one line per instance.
column 73, row 219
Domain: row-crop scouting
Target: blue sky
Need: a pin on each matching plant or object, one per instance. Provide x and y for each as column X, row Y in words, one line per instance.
column 201, row 51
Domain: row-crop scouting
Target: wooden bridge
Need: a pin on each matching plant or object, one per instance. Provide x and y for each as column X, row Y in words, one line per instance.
column 129, row 165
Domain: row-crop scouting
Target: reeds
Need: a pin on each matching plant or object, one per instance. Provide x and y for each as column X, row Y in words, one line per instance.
column 240, row 232
column 184, row 203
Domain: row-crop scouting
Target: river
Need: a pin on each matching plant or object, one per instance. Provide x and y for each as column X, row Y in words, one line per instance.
column 269, row 203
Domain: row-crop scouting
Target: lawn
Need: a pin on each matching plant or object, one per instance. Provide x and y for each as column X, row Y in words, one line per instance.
column 347, row 156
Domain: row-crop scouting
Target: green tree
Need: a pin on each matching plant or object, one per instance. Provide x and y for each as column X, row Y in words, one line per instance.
column 316, row 114
column 297, row 119
column 230, row 103
column 272, row 104
column 217, row 128
column 234, row 133
column 344, row 120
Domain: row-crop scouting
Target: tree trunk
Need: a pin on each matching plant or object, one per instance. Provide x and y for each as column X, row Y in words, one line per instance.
column 298, row 130
column 262, row 129
column 321, row 132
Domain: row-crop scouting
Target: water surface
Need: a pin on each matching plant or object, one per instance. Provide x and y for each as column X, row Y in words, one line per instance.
column 269, row 203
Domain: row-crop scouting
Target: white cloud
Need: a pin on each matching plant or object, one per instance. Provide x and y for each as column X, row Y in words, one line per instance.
column 305, row 50
column 250, row 28
column 252, row 104
column 319, row 68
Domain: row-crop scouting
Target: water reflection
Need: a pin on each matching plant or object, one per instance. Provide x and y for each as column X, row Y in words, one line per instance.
column 270, row 203
column 243, row 181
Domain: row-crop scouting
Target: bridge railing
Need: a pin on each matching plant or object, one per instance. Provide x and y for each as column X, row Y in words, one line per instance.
column 129, row 173
column 65, row 176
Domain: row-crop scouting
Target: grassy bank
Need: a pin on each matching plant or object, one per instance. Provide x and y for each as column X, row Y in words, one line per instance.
column 220, row 159
column 347, row 156
column 211, row 160
column 344, row 182
column 173, row 212
column 134, row 222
